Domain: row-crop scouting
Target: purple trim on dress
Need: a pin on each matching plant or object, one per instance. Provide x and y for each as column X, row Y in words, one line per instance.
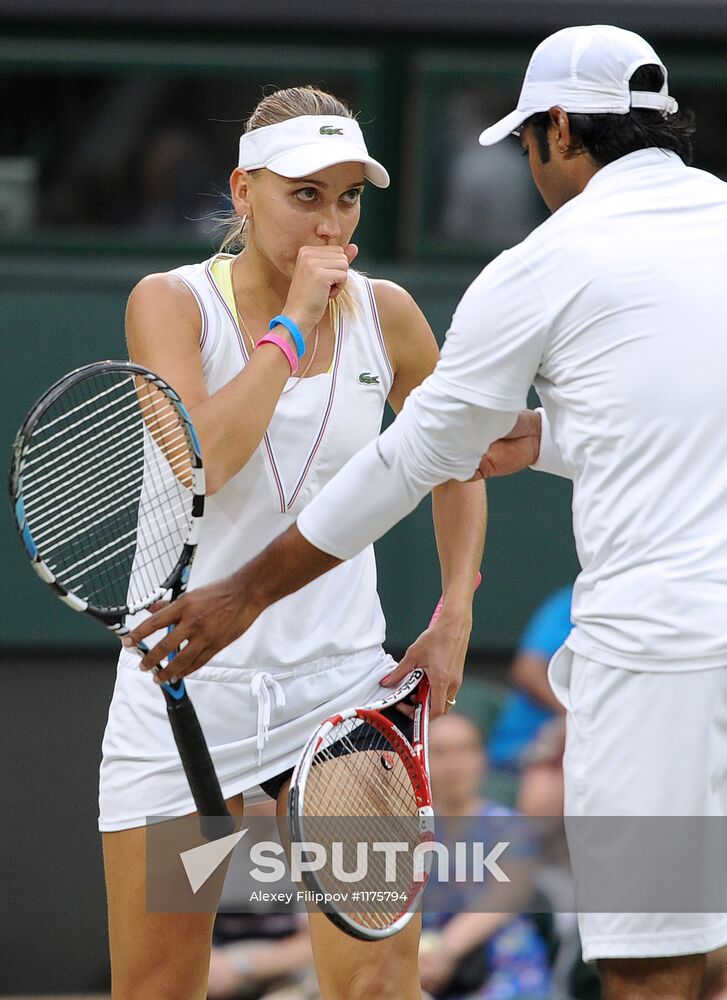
column 316, row 446
column 202, row 310
column 377, row 327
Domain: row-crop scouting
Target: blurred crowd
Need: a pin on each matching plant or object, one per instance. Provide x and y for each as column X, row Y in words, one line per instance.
column 150, row 154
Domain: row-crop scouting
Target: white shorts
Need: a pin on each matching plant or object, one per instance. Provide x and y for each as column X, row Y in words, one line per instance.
column 255, row 723
column 642, row 743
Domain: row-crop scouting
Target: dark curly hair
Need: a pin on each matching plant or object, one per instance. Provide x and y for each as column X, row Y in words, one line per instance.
column 608, row 137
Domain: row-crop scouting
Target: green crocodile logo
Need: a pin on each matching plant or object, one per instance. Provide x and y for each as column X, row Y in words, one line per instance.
column 330, row 130
column 366, row 378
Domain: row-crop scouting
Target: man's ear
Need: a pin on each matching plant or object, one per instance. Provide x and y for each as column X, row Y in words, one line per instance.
column 561, row 123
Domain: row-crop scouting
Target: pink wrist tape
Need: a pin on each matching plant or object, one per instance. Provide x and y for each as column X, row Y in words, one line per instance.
column 285, row 347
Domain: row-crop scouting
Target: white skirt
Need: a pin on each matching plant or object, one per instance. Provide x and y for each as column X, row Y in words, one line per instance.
column 255, row 723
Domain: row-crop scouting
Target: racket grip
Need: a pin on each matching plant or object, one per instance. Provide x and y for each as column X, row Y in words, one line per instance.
column 197, row 764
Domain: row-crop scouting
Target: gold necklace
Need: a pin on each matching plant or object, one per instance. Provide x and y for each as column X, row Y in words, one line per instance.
column 245, row 330
column 254, row 345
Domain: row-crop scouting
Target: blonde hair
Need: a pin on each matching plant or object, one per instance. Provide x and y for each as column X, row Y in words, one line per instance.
column 277, row 107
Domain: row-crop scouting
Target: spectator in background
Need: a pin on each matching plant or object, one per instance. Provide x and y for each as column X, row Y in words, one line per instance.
column 533, row 704
column 253, row 953
column 490, row 956
column 541, row 790
column 176, row 179
column 541, row 795
column 490, row 199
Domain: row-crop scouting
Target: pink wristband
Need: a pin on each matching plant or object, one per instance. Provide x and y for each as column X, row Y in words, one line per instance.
column 274, row 338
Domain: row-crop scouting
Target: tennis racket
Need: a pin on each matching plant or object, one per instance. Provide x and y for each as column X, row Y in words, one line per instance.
column 107, row 488
column 364, row 776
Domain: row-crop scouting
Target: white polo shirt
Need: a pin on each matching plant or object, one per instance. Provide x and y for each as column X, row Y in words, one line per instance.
column 616, row 309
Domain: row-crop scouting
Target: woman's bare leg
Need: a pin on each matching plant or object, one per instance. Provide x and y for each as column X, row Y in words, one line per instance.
column 349, row 969
column 154, row 956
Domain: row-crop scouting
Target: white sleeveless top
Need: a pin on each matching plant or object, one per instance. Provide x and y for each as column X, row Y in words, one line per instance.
column 318, row 424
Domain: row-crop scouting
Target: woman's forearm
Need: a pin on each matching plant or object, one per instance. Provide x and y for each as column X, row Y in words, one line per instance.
column 232, row 422
column 459, row 512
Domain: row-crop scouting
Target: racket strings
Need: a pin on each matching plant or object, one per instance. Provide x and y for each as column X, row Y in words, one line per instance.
column 64, row 502
column 369, row 776
column 106, row 486
column 75, row 460
column 164, row 511
column 358, row 789
column 75, row 430
column 167, row 440
column 88, row 506
column 109, row 504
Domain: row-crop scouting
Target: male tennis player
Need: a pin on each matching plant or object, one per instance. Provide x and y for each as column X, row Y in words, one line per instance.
column 615, row 309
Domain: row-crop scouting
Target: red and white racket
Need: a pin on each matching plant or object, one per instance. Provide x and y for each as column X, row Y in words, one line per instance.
column 362, row 782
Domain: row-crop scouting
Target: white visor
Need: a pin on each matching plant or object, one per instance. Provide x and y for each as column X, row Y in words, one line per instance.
column 304, row 145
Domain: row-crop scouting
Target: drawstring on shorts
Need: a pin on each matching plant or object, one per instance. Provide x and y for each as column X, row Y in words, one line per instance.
column 263, row 686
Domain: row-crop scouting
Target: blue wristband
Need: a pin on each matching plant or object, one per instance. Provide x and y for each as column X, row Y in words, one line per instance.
column 292, row 330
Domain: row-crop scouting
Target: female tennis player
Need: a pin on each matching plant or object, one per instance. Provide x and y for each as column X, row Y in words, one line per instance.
column 285, row 357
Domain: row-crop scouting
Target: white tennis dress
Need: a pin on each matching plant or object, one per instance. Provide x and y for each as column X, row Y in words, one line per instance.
column 312, row 653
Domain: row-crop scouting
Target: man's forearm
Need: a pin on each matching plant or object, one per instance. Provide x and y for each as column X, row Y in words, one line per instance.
column 286, row 565
column 434, row 439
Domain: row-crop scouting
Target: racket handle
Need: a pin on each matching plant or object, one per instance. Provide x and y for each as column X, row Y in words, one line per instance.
column 197, row 763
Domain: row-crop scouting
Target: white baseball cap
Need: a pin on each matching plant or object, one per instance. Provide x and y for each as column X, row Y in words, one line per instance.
column 301, row 146
column 584, row 70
